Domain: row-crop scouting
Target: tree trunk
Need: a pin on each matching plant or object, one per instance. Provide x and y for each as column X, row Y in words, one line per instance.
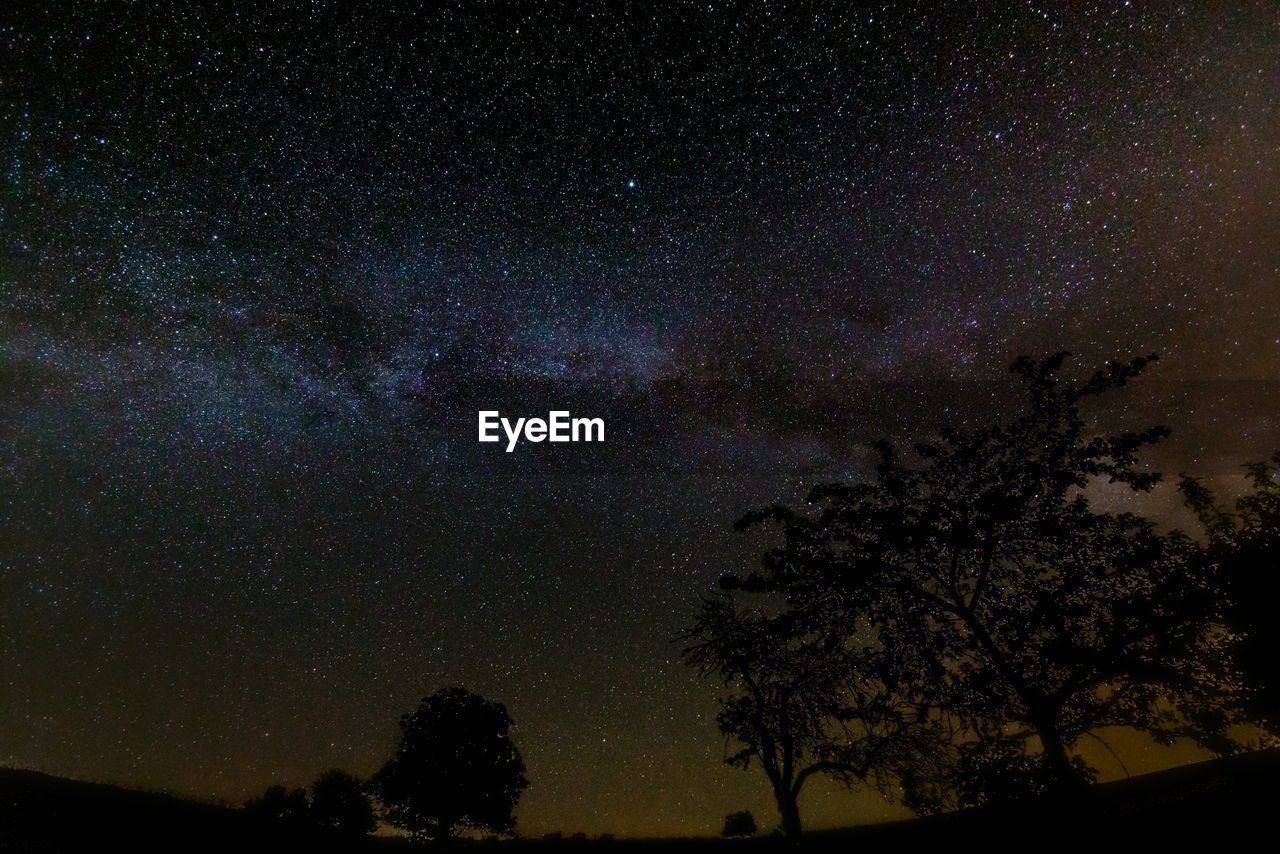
column 1056, row 755
column 789, row 811
column 1042, row 717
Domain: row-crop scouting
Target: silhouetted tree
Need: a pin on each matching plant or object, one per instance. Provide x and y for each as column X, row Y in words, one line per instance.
column 456, row 766
column 279, row 804
column 339, row 802
column 738, row 825
column 805, row 700
column 1029, row 618
column 1244, row 546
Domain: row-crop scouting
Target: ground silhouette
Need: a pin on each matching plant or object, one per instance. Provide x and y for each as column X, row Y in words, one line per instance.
column 41, row 814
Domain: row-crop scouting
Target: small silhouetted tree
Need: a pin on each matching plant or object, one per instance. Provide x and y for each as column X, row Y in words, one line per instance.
column 1243, row 544
column 456, row 766
column 804, row 700
column 278, row 804
column 738, row 825
column 339, row 802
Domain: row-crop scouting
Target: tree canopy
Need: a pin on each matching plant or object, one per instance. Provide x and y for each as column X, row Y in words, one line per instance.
column 456, row 766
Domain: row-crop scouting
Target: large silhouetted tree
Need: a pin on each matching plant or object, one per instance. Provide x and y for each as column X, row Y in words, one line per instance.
column 339, row 802
column 1244, row 545
column 1028, row 618
column 456, row 766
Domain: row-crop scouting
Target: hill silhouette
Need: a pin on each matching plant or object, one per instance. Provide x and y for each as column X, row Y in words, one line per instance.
column 43, row 813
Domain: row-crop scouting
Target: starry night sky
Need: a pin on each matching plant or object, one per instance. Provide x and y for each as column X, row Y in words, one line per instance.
column 259, row 269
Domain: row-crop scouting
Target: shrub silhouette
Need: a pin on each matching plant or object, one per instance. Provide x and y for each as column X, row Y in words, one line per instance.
column 278, row 804
column 339, row 803
column 739, row 825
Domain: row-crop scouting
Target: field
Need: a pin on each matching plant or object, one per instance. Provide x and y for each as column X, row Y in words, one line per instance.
column 1238, row 795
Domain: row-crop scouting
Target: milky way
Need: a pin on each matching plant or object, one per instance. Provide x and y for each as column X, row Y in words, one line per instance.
column 258, row 271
